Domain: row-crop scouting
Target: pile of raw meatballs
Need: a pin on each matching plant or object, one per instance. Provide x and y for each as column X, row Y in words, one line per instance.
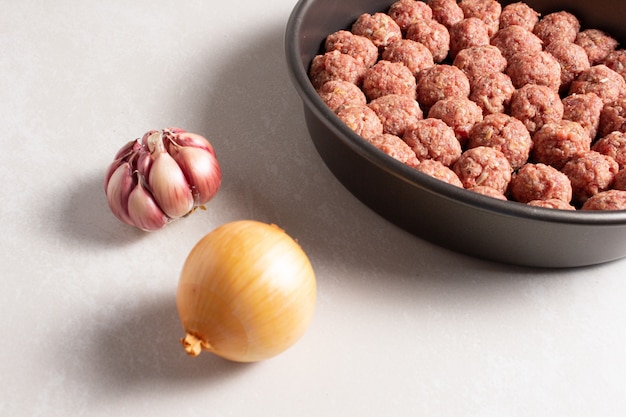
column 496, row 99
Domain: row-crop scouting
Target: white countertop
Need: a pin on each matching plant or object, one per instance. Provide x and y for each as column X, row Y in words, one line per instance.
column 402, row 327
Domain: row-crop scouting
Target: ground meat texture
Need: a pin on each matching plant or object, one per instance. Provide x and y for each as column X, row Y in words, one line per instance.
column 361, row 119
column 483, row 166
column 480, row 60
column 590, row 174
column 552, row 203
column 439, row 82
column 504, row 133
column 557, row 26
column 380, row 28
column 601, row 80
column 394, row 147
column 584, row 109
column 597, row 44
column 514, row 39
column 617, row 62
column 433, row 35
column 388, row 78
column 356, row 46
column 413, row 54
column 397, row 113
column 519, row 14
column 620, row 180
column 572, row 59
column 488, row 191
column 534, row 182
column 613, row 145
column 460, row 113
column 468, row 33
column 406, row 12
column 337, row 93
column 446, row 12
column 613, row 118
column 438, row 170
column 492, row 92
column 556, row 143
column 607, row 200
column 336, row 66
column 486, row 10
column 535, row 105
column 538, row 67
column 433, row 139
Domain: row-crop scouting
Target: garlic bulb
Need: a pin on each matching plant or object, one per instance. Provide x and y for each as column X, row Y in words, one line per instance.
column 246, row 292
column 161, row 177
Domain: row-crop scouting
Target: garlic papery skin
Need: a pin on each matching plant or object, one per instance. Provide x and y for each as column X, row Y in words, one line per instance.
column 163, row 187
column 246, row 292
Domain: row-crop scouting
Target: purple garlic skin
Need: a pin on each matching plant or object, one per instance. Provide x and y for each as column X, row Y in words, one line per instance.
column 161, row 177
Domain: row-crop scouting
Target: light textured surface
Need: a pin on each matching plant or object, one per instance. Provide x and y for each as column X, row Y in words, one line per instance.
column 402, row 328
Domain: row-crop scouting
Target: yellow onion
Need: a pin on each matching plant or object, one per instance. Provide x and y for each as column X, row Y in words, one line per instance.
column 246, row 292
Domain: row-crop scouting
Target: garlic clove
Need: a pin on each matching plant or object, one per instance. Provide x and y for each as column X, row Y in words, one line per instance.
column 201, row 170
column 183, row 138
column 143, row 210
column 169, row 186
column 118, row 188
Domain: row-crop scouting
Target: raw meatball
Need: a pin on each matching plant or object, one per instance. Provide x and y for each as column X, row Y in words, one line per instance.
column 613, row 145
column 488, row 191
column 483, row 166
column 360, row 118
column 553, row 203
column 617, row 61
column 514, row 39
column 388, row 78
column 356, row 46
column 413, row 54
column 433, row 139
column 607, row 200
column 557, row 26
column 446, row 12
column 492, row 92
column 431, row 34
column 504, row 133
column 380, row 28
column 397, row 113
column 394, row 147
column 438, row 170
column 613, row 118
column 406, row 12
column 334, row 65
column 572, row 58
column 556, row 143
column 486, row 10
column 480, row 60
column 602, row 80
column 439, row 82
column 597, row 44
column 519, row 14
column 584, row 109
column 620, row 180
column 460, row 113
column 337, row 93
column 466, row 34
column 535, row 105
column 540, row 182
column 538, row 67
column 590, row 174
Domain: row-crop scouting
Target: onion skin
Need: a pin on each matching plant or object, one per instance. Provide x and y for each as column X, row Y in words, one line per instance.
column 246, row 292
